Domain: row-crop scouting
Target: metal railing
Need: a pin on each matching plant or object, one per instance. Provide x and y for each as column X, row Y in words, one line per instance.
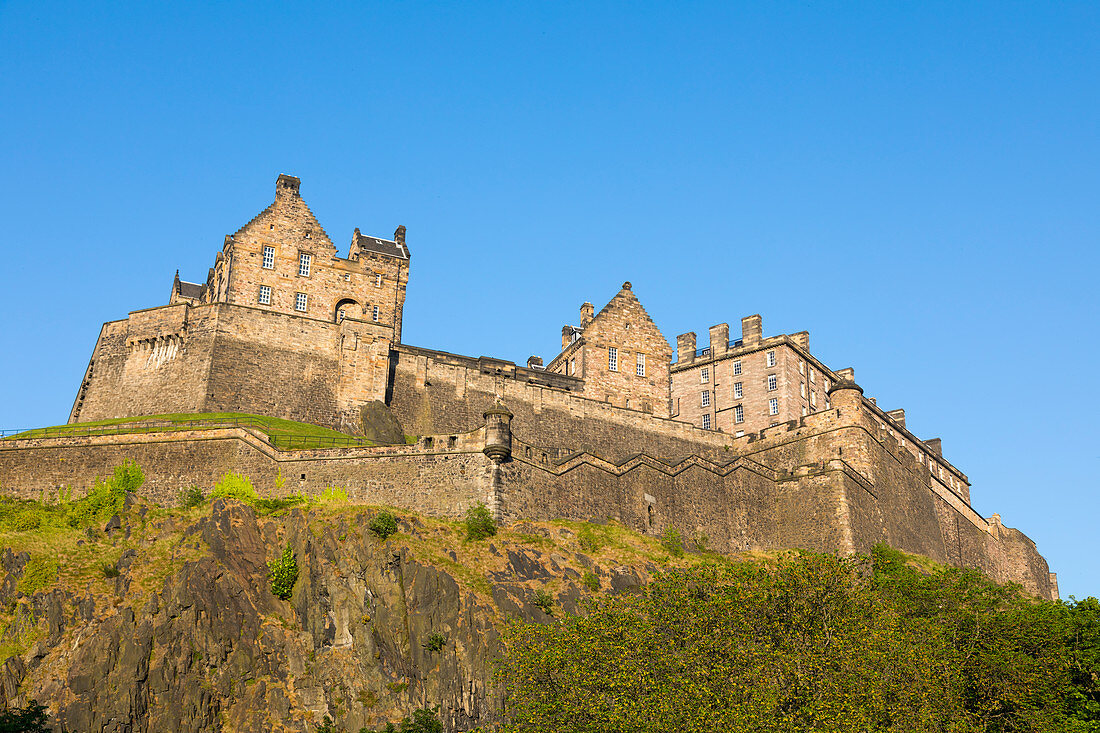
column 276, row 435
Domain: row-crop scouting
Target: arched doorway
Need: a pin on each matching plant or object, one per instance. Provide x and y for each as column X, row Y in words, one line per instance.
column 347, row 308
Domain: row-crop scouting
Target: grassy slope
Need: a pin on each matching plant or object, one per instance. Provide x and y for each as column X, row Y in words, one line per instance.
column 282, row 433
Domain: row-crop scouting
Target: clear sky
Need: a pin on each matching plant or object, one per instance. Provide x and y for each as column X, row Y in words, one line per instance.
column 915, row 184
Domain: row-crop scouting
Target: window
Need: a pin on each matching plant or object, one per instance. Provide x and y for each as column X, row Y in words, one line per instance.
column 705, row 374
column 801, row 367
column 374, row 313
column 300, row 302
column 706, row 422
column 773, row 382
column 572, row 366
column 739, row 413
column 737, row 390
column 920, row 457
column 739, row 434
column 706, row 398
column 773, row 406
column 639, row 366
column 737, row 367
column 812, row 375
column 826, row 381
column 613, row 358
column 771, row 358
column 378, row 280
column 813, row 398
column 802, row 388
column 265, row 295
column 303, row 264
column 269, row 258
column 803, row 411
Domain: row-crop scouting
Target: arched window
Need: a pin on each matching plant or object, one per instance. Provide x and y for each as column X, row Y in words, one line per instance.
column 347, row 308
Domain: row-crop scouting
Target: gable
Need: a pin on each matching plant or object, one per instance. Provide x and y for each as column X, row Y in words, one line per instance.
column 287, row 221
column 624, row 323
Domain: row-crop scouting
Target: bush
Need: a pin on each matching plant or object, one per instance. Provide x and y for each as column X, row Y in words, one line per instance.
column 479, row 523
column 423, row 720
column 270, row 506
column 191, row 497
column 543, row 600
column 672, row 542
column 590, row 581
column 435, row 642
column 235, row 486
column 383, row 524
column 38, row 573
column 29, row 719
column 106, row 498
column 109, row 570
column 589, row 540
column 701, row 542
column 333, row 495
column 283, row 573
column 327, row 726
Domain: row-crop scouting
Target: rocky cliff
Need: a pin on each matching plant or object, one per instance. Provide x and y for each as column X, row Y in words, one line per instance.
column 165, row 620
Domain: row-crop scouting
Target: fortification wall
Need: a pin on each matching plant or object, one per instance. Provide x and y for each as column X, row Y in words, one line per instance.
column 155, row 361
column 441, row 480
column 434, row 392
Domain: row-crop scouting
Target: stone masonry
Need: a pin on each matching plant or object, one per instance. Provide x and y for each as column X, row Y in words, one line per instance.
column 611, row 428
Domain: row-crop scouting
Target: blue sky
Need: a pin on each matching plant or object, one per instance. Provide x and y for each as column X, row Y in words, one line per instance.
column 915, row 184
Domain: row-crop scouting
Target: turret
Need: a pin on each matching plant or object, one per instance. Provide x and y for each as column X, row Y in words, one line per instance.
column 498, row 433
column 846, row 396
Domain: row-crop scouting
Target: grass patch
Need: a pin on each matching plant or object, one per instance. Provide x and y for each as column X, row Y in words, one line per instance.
column 284, row 434
column 39, row 573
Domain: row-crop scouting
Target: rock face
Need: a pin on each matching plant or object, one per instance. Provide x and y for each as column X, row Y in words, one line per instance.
column 189, row 637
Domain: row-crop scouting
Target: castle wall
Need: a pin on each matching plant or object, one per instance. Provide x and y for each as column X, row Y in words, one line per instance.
column 440, row 481
column 154, row 362
column 433, row 392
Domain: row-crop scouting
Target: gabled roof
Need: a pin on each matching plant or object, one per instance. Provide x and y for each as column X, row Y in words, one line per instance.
column 379, row 245
column 189, row 290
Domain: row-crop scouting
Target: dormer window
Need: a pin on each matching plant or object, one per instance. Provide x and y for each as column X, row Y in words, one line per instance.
column 304, row 261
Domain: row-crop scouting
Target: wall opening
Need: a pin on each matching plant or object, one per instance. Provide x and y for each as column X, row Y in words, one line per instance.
column 347, row 307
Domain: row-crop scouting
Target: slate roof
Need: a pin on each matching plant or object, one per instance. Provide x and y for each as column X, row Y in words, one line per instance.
column 190, row 290
column 382, row 246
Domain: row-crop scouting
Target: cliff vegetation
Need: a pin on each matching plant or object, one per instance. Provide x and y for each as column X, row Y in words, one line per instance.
column 231, row 612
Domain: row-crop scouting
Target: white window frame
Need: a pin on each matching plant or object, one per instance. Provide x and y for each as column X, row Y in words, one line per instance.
column 704, row 375
column 813, row 398
column 305, row 261
column 812, row 375
column 738, row 390
column 771, row 358
column 802, row 389
column 773, row 406
column 268, row 257
column 639, row 365
column 773, row 382
column 301, row 302
column 375, row 313
column 613, row 358
column 573, row 366
column 377, row 279
column 801, row 367
column 739, row 413
column 706, row 398
column 736, row 367
column 265, row 295
column 706, row 421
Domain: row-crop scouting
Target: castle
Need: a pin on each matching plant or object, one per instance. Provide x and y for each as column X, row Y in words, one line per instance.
column 752, row 441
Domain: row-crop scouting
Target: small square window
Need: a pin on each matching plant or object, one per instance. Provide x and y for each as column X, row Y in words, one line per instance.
column 706, row 422
column 269, row 258
column 773, row 382
column 613, row 358
column 265, row 295
column 771, row 358
column 704, row 374
column 300, row 302
column 739, row 413
column 706, row 398
column 639, row 366
column 773, row 406
column 304, row 261
column 737, row 367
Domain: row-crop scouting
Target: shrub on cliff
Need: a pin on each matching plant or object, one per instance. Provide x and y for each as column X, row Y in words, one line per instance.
column 423, row 720
column 106, row 498
column 383, row 524
column 809, row 642
column 235, row 486
column 29, row 719
column 479, row 523
column 283, row 573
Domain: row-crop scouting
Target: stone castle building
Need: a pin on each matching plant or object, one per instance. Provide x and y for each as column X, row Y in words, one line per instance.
column 752, row 441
